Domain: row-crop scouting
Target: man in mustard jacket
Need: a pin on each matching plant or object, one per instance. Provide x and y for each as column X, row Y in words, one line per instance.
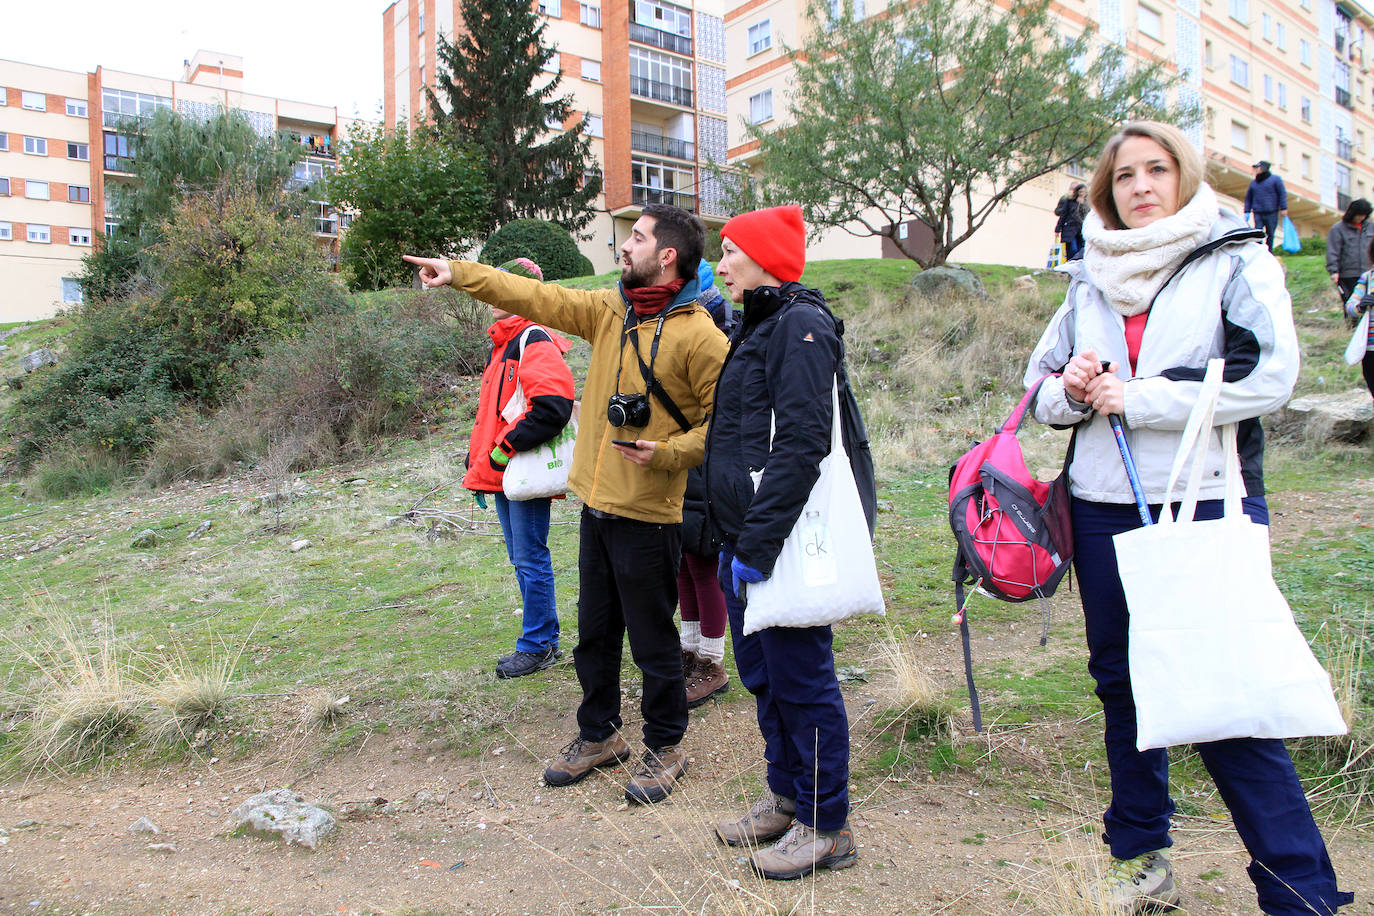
column 656, row 354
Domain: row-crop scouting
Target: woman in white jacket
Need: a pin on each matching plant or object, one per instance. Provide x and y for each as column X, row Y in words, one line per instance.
column 1168, row 282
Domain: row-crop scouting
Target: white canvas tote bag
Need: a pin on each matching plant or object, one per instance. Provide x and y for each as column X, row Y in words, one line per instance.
column 1214, row 651
column 542, row 471
column 1359, row 342
column 826, row 570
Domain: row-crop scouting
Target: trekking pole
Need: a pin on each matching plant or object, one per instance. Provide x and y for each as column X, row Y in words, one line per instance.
column 1133, row 475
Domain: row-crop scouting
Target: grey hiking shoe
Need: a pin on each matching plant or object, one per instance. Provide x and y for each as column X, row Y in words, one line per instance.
column 804, row 849
column 581, row 756
column 519, row 664
column 1144, row 884
column 659, row 770
column 767, row 820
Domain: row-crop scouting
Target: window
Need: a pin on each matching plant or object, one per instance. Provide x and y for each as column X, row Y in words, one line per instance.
column 1306, row 171
column 1240, row 71
column 1283, row 155
column 551, row 8
column 4, row 96
column 1239, row 10
column 119, row 152
column 760, row 36
column 1268, row 88
column 118, row 104
column 1149, row 22
column 81, row 151
column 79, row 237
column 592, row 125
column 325, row 223
column 1305, row 109
column 837, row 9
column 1283, row 96
column 1304, row 52
column 76, row 108
column 4, row 187
column 36, row 190
column 590, row 15
column 1240, row 136
column 78, row 194
column 71, row 290
column 420, row 28
column 34, row 101
column 902, row 230
column 4, row 138
column 553, row 64
column 36, row 146
column 40, row 234
column 761, row 107
column 6, row 232
column 1281, row 37
column 1267, row 26
column 1207, row 55
column 591, row 70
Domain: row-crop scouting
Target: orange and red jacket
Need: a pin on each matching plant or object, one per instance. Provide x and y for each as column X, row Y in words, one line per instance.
column 548, row 386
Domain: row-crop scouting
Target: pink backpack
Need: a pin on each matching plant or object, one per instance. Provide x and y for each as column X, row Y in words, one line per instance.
column 1013, row 534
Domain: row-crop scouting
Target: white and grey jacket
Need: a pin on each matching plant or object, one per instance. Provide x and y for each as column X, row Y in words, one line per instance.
column 1228, row 300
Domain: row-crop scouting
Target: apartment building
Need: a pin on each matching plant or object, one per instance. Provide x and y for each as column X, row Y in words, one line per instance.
column 61, row 151
column 1283, row 80
column 648, row 77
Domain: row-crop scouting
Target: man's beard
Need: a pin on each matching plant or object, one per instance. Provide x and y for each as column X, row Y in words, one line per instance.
column 635, row 277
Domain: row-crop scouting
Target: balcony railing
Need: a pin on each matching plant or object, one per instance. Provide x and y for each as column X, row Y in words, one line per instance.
column 1345, row 149
column 648, row 35
column 1343, row 98
column 663, row 92
column 662, row 146
column 1343, row 200
column 643, row 195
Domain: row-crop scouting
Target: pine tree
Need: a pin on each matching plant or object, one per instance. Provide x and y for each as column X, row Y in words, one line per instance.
column 492, row 97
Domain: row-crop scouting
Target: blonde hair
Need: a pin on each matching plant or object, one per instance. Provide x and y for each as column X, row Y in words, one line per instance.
column 1185, row 156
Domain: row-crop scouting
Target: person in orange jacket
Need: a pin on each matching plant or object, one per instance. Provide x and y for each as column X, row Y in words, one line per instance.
column 534, row 362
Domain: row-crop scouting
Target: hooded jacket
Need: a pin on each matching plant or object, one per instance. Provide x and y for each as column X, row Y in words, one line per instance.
column 1228, row 299
column 1347, row 248
column 547, row 383
column 690, row 353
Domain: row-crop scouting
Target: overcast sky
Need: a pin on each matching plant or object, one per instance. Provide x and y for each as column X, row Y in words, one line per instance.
column 327, row 52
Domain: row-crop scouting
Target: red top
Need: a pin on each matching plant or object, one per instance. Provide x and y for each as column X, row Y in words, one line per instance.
column 1135, row 329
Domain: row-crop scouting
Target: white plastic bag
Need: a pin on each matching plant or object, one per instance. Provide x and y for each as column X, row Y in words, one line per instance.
column 1214, row 651
column 1359, row 342
column 540, row 472
column 826, row 570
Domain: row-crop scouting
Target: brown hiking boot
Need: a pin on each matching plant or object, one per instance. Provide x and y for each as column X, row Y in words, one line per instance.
column 707, row 679
column 659, row 770
column 690, row 660
column 581, row 756
column 804, row 849
column 766, row 821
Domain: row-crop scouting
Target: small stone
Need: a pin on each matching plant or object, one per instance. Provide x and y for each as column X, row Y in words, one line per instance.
column 143, row 825
column 161, row 847
column 144, row 539
column 200, row 531
column 298, row 546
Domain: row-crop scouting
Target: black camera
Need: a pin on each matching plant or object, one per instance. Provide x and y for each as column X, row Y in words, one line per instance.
column 628, row 410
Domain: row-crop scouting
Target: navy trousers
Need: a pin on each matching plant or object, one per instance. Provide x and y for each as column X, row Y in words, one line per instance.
column 791, row 673
column 1289, row 864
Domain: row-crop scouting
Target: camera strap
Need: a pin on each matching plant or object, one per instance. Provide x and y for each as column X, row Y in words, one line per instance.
column 651, row 384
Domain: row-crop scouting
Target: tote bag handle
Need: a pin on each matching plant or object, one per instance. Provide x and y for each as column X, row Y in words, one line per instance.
column 1194, row 441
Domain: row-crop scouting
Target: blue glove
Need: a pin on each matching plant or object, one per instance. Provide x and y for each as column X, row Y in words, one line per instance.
column 739, row 572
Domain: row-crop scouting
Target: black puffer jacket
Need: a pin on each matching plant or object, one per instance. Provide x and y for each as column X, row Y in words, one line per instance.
column 782, row 364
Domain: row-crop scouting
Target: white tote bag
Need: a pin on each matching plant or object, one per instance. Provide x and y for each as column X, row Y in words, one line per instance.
column 1214, row 652
column 826, row 570
column 1359, row 342
column 542, row 471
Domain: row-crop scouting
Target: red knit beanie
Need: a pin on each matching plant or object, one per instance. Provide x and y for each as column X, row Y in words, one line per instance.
column 774, row 238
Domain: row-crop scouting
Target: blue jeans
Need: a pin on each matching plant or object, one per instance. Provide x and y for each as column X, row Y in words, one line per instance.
column 1289, row 864
column 791, row 673
column 1269, row 222
column 525, row 523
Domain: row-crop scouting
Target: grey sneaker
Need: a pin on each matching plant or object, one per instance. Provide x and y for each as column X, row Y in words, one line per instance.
column 804, row 849
column 767, row 820
column 1144, row 884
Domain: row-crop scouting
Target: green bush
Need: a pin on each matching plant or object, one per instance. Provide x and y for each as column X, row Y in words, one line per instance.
column 547, row 244
column 76, row 473
column 1311, row 244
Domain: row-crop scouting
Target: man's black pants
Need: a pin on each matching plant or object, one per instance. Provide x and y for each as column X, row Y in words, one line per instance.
column 627, row 571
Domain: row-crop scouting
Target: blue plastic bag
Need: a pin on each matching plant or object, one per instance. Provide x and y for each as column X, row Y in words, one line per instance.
column 1291, row 243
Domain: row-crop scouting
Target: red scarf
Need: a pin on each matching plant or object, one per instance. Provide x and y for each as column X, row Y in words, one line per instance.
column 648, row 301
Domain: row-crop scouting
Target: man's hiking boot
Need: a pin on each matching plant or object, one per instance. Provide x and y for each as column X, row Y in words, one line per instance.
column 519, row 664
column 766, row 821
column 804, row 849
column 690, row 660
column 581, row 756
column 659, row 770
column 1144, row 884
column 707, row 679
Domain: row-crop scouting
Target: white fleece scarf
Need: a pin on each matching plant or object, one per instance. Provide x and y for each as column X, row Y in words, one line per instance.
column 1130, row 265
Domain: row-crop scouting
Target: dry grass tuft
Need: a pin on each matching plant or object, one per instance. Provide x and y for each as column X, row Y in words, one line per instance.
column 323, row 708
column 188, row 697
column 916, row 697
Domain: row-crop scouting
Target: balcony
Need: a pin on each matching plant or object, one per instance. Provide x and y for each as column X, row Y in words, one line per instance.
column 1345, row 149
column 642, row 195
column 667, row 41
column 660, row 91
column 1343, row 199
column 1343, row 98
column 662, row 146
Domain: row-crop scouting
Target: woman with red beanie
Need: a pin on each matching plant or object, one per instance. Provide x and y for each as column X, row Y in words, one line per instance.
column 772, row 424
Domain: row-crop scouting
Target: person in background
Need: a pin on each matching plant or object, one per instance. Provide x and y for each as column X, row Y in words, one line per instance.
column 629, row 470
column 1267, row 198
column 534, row 362
column 1134, row 304
column 1360, row 300
column 772, row 423
column 698, row 587
column 1071, row 210
column 1347, row 246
